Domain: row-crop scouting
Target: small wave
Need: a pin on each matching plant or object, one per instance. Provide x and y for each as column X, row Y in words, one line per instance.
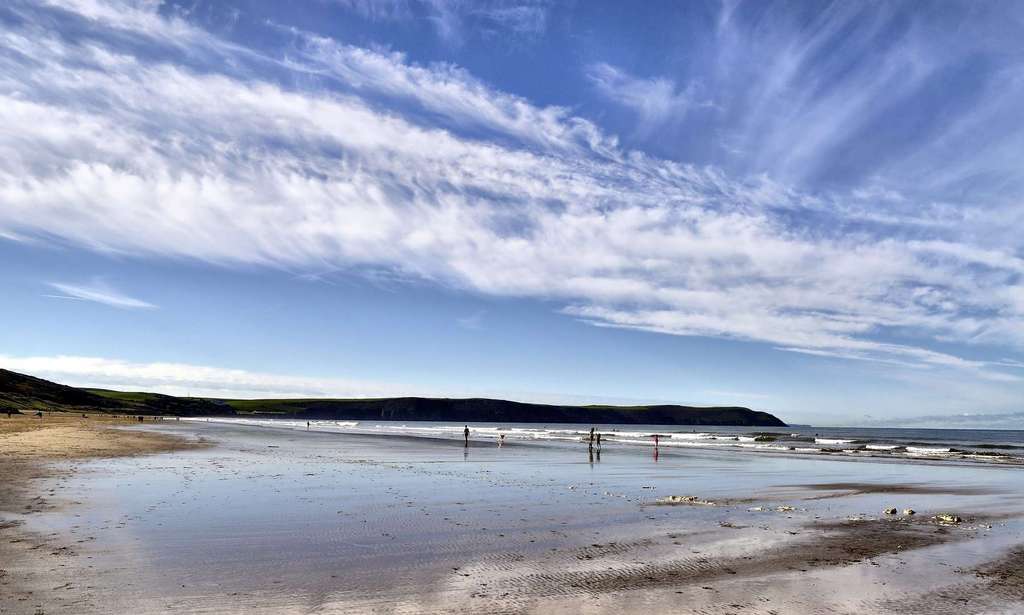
column 693, row 436
column 833, row 441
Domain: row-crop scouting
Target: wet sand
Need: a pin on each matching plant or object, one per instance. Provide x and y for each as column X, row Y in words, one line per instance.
column 292, row 522
column 36, row 452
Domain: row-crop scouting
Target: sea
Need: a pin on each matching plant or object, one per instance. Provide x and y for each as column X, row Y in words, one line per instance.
column 963, row 445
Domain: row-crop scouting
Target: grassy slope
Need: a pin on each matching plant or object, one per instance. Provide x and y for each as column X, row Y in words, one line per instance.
column 27, row 393
column 498, row 410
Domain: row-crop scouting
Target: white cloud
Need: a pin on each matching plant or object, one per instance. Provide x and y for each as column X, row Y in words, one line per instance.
column 194, row 380
column 426, row 173
column 99, row 292
column 656, row 101
column 452, row 18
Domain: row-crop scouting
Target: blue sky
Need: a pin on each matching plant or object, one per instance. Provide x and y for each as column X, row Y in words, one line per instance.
column 806, row 208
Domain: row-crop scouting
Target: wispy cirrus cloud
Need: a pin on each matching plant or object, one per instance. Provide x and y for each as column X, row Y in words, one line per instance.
column 99, row 292
column 656, row 101
column 427, row 173
column 451, row 18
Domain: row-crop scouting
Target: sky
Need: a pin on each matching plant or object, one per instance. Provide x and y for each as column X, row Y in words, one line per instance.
column 811, row 209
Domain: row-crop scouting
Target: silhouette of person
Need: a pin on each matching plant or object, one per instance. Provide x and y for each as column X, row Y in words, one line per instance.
column 465, row 434
column 599, row 444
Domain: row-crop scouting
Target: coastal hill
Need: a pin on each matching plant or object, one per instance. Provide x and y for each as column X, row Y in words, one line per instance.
column 23, row 393
column 26, row 393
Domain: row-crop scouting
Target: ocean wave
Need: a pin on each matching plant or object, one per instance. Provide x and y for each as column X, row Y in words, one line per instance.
column 754, row 442
column 932, row 450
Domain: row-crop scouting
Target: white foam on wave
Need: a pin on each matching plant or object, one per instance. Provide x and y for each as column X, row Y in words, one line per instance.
column 699, row 440
column 693, row 436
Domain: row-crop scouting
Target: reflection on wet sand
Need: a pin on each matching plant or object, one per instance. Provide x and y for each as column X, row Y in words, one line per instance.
column 296, row 521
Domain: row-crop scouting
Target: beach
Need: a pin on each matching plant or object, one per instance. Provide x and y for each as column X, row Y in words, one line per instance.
column 108, row 516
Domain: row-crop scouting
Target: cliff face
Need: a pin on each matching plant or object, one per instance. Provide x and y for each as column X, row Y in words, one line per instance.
column 28, row 394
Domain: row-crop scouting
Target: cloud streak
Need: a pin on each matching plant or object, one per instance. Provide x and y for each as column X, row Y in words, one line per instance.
column 657, row 102
column 101, row 293
column 195, row 380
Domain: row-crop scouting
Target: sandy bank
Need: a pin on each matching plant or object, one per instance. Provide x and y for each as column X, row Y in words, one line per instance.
column 29, row 449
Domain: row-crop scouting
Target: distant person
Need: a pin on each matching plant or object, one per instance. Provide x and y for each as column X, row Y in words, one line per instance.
column 598, row 443
column 39, row 413
column 307, row 425
column 8, row 413
column 655, row 440
column 465, row 434
column 501, row 440
column 591, row 437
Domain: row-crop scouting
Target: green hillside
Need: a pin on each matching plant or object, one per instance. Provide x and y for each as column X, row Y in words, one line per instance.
column 26, row 393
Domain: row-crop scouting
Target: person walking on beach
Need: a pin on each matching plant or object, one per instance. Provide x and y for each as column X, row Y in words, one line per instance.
column 465, row 434
column 655, row 440
column 591, row 444
column 307, row 425
column 599, row 442
column 501, row 440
